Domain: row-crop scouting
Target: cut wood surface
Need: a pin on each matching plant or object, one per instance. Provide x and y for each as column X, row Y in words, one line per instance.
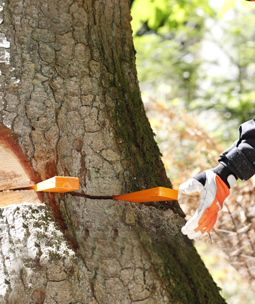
column 12, row 174
column 18, row 197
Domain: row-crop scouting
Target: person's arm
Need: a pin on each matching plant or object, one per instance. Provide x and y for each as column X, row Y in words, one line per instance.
column 236, row 162
column 240, row 157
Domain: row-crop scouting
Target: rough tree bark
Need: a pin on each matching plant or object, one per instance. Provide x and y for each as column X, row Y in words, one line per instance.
column 71, row 106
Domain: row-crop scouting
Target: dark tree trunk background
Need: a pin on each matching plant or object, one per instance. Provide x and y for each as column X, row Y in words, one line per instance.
column 72, row 107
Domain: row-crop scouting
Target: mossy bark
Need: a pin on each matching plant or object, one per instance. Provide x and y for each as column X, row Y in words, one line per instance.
column 72, row 100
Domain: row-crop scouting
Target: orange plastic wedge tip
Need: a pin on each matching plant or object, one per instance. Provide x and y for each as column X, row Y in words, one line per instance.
column 59, row 184
column 149, row 195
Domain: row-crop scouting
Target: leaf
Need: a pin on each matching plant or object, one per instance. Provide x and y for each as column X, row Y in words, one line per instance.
column 156, row 18
column 228, row 5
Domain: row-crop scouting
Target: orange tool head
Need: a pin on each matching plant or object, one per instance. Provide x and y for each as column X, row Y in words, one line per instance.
column 59, row 184
column 149, row 195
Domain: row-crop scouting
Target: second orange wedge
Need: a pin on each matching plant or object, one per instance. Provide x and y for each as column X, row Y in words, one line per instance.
column 149, row 195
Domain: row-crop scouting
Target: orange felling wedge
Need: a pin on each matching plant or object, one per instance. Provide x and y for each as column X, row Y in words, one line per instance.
column 149, row 195
column 59, row 184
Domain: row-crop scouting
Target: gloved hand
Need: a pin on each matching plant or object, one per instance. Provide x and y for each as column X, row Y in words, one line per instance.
column 214, row 187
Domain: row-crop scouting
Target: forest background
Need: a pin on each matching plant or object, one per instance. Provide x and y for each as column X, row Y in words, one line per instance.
column 195, row 62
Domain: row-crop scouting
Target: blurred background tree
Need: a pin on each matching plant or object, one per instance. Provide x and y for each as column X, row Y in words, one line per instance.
column 227, row 70
column 191, row 55
column 195, row 62
column 167, row 37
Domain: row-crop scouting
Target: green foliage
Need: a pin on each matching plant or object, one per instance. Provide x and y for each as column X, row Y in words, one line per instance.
column 231, row 93
column 227, row 5
column 167, row 66
column 167, row 43
column 165, row 15
column 169, row 38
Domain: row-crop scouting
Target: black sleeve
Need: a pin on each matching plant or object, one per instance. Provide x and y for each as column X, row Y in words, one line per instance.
column 240, row 157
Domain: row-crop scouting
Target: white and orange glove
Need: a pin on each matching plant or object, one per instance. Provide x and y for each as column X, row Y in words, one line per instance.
column 214, row 187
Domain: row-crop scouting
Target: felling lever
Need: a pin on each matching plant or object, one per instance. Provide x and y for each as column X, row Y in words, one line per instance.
column 59, row 184
column 149, row 195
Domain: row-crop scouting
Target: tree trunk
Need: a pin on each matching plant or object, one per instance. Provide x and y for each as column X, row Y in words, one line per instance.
column 72, row 107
